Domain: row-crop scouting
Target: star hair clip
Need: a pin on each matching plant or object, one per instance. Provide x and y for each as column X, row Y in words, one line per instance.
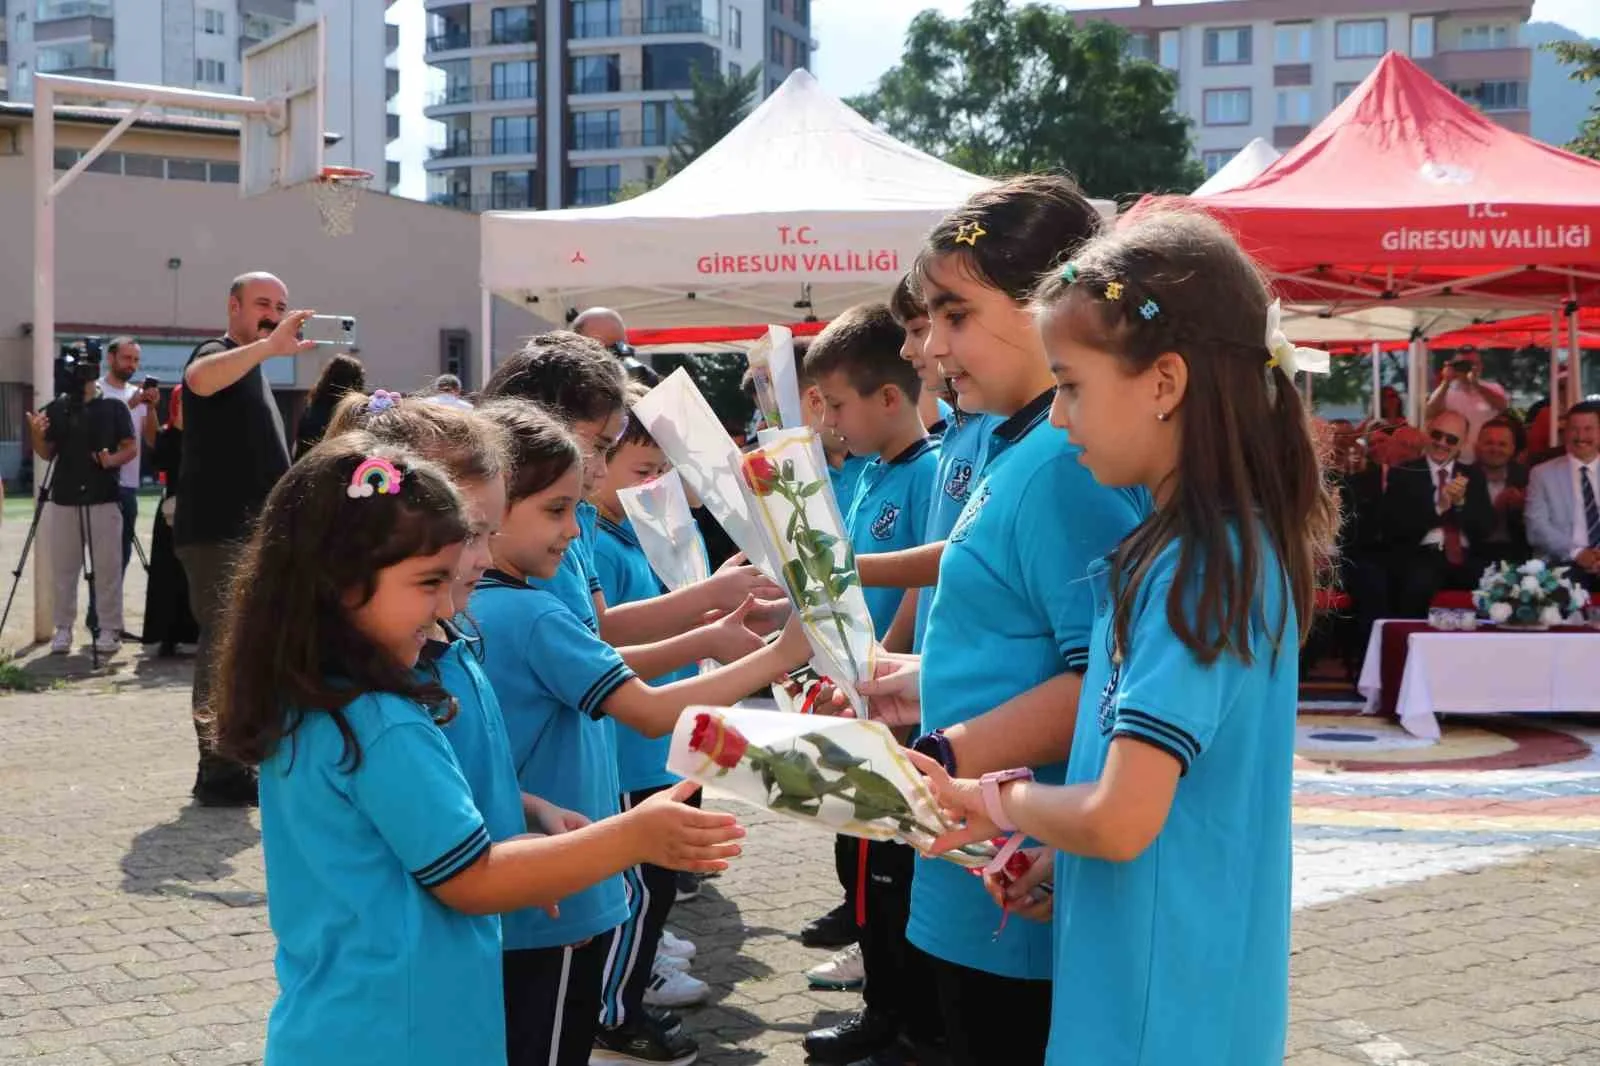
column 968, row 234
column 375, row 476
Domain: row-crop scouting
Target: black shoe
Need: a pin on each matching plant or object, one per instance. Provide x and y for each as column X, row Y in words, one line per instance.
column 666, row 1020
column 237, row 789
column 836, row 929
column 862, row 1034
column 641, row 1040
column 688, row 886
column 893, row 1055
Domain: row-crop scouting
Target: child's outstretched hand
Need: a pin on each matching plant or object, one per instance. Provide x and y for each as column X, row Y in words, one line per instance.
column 735, row 580
column 729, row 639
column 961, row 800
column 680, row 837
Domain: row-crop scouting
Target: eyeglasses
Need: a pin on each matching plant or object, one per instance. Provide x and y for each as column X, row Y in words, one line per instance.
column 1439, row 436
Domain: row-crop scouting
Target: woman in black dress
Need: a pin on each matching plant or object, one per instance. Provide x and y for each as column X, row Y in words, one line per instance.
column 344, row 373
column 168, row 621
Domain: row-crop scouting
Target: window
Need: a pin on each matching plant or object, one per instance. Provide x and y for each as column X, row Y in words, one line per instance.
column 671, row 66
column 1216, row 159
column 1227, row 107
column 775, row 46
column 1228, row 47
column 210, row 71
column 735, row 27
column 510, row 189
column 511, row 135
column 777, row 6
column 1291, row 42
column 1294, row 107
column 213, row 22
column 1140, row 46
column 1360, row 39
column 86, row 55
column 511, row 25
column 596, row 18
column 224, row 173
column 1169, row 49
column 186, row 170
column 802, row 12
column 1342, row 91
column 595, row 129
column 135, row 165
column 662, row 126
column 1421, row 36
column 735, row 72
column 1483, row 38
column 596, row 74
column 1494, row 95
column 512, row 81
column 594, row 185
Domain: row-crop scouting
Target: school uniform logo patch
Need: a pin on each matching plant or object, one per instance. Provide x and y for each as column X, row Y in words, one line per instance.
column 969, row 514
column 1107, row 717
column 960, row 480
column 883, row 525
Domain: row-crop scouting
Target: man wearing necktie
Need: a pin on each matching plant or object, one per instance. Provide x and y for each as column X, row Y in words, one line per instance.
column 1563, row 513
column 1439, row 519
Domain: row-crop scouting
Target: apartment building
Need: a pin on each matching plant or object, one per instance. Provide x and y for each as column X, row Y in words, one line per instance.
column 560, row 103
column 1275, row 68
column 199, row 44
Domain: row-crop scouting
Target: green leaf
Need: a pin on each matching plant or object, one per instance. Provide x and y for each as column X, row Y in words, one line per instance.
column 795, row 576
column 811, row 489
column 794, row 525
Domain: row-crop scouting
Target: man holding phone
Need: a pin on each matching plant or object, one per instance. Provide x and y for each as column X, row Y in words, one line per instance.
column 1462, row 390
column 234, row 452
column 122, row 365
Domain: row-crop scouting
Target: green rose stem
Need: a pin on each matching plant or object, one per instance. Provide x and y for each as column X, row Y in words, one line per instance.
column 801, row 522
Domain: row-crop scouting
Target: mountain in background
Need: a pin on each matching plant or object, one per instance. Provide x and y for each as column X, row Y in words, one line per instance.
column 1558, row 103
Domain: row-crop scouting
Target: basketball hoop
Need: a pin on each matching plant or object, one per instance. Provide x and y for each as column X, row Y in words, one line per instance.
column 337, row 190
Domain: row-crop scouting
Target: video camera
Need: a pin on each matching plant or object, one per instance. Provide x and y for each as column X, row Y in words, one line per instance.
column 78, row 364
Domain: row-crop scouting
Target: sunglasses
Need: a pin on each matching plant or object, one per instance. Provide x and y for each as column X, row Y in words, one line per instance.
column 1439, row 436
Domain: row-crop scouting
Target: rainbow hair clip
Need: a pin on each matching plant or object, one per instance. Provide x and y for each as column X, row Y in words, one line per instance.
column 375, row 476
column 382, row 400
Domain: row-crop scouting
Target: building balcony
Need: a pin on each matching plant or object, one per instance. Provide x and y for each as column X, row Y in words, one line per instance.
column 391, row 38
column 463, row 152
column 1489, row 64
column 392, row 125
column 98, row 73
column 49, row 11
column 672, row 25
column 1286, row 137
column 97, row 28
column 479, row 202
column 460, row 40
column 445, row 5
column 1291, row 75
column 590, row 143
column 459, row 99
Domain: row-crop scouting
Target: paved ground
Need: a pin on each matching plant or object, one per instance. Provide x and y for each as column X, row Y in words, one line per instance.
column 1441, row 919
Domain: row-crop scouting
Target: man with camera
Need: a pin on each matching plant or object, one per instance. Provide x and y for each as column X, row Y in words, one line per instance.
column 234, row 452
column 1462, row 390
column 90, row 438
column 121, row 364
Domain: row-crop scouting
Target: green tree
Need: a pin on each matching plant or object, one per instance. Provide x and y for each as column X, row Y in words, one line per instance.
column 716, row 104
column 1023, row 89
column 717, row 375
column 1584, row 59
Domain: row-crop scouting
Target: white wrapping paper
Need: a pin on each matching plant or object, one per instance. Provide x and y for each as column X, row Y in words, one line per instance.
column 661, row 518
column 777, row 384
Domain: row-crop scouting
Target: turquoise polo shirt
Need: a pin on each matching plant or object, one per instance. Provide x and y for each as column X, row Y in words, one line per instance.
column 575, row 581
column 372, row 969
column 477, row 734
column 1182, row 955
column 1012, row 609
column 845, row 477
column 552, row 674
column 626, row 577
column 890, row 512
column 962, row 452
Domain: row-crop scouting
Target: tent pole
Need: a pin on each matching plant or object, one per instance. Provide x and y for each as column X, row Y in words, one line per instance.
column 1574, row 356
column 485, row 335
column 1417, row 372
column 1377, row 381
column 1555, row 374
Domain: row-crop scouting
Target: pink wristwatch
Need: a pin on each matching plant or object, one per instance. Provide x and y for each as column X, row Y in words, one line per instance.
column 990, row 783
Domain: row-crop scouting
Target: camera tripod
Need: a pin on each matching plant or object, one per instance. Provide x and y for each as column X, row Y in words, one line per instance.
column 86, row 551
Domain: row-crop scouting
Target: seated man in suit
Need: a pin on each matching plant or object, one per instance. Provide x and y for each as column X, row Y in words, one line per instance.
column 1507, row 480
column 1563, row 511
column 1438, row 516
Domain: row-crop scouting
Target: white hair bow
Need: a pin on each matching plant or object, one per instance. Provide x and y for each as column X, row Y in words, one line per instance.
column 1288, row 355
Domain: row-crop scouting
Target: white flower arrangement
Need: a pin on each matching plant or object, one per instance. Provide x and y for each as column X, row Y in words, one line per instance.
column 1533, row 594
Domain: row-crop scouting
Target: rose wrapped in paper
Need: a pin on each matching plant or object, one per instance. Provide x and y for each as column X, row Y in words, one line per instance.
column 843, row 774
column 659, row 511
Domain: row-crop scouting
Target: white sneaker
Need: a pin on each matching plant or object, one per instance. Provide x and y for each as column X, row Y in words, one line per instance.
column 673, row 988
column 676, row 946
column 841, row 973
column 107, row 643
column 61, row 642
column 671, row 962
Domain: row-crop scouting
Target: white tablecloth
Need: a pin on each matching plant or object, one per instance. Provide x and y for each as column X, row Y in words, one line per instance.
column 1485, row 672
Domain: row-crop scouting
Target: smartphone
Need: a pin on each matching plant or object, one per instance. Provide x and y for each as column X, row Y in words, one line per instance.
column 336, row 330
column 151, row 381
column 1463, row 365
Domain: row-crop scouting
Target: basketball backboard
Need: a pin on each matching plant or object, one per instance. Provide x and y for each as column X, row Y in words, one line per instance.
column 285, row 147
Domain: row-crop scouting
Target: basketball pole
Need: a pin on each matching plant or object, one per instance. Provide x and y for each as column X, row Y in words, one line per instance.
column 46, row 189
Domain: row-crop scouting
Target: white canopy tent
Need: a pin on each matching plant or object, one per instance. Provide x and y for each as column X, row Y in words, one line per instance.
column 802, row 210
column 1242, row 169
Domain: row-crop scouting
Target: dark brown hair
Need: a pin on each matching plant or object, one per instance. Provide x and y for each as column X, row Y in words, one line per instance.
column 905, row 303
column 343, row 375
column 539, row 448
column 864, row 345
column 1177, row 282
column 1017, row 230
column 573, row 378
column 469, row 447
column 287, row 646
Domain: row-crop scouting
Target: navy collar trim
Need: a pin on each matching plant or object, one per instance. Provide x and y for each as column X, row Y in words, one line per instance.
column 1026, row 420
column 616, row 529
column 922, row 447
column 501, row 579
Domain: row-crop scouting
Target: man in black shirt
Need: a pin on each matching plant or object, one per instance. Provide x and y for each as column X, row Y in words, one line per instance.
column 89, row 438
column 234, row 451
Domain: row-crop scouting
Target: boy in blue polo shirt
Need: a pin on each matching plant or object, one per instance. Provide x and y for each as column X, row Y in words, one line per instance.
column 871, row 396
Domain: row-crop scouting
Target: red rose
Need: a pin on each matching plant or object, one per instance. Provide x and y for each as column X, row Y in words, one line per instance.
column 760, row 474
column 717, row 739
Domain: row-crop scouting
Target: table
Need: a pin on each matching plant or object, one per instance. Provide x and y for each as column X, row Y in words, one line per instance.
column 1415, row 672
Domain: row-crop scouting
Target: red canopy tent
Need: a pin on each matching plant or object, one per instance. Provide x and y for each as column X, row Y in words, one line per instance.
column 1528, row 331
